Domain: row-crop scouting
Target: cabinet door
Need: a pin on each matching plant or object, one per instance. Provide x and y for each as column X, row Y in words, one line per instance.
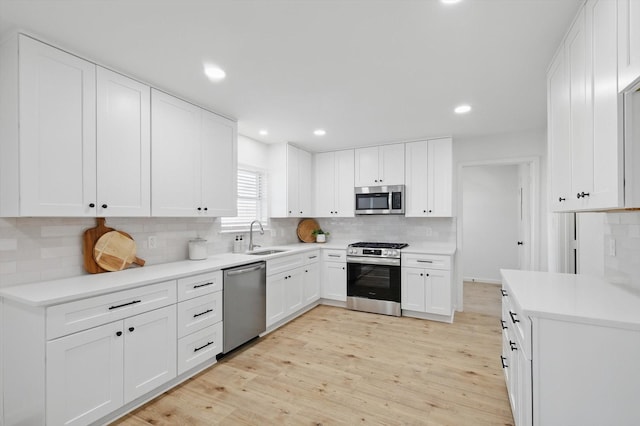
column 391, row 165
column 334, row 281
column 57, row 132
column 366, row 166
column 438, row 292
column 294, row 290
column 275, row 298
column 175, row 156
column 344, row 184
column 416, row 194
column 607, row 169
column 293, row 184
column 325, row 184
column 85, row 375
column 413, row 289
column 123, row 146
column 304, row 183
column 628, row 43
column 219, row 165
column 311, row 282
column 440, row 177
column 150, row 351
column 559, row 130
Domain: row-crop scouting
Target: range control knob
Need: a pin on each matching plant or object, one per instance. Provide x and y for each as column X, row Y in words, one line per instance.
column 394, row 253
column 385, row 252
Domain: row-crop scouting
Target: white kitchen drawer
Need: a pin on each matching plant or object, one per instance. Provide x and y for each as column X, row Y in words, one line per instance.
column 333, row 255
column 430, row 261
column 518, row 325
column 285, row 263
column 83, row 314
column 198, row 285
column 199, row 347
column 312, row 257
column 198, row 313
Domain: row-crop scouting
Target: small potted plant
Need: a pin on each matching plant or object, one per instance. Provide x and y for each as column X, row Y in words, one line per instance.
column 321, row 236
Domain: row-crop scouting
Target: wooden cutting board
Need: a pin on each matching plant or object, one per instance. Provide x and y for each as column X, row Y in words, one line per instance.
column 115, row 251
column 89, row 239
column 305, row 230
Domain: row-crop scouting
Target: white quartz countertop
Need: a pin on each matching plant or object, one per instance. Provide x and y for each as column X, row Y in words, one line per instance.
column 430, row 248
column 580, row 298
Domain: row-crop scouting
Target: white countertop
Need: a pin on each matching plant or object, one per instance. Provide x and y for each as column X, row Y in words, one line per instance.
column 430, row 248
column 580, row 298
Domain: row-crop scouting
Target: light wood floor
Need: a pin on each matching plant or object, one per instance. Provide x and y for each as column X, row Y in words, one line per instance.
column 335, row 366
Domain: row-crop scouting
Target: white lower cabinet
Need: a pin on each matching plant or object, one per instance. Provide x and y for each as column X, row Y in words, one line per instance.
column 312, row 282
column 199, row 347
column 94, row 372
column 426, row 286
column 334, row 275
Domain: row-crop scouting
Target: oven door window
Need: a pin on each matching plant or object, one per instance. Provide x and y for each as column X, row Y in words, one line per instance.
column 378, row 282
column 376, row 201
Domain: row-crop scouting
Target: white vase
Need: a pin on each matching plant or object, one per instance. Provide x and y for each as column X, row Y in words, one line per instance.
column 321, row 238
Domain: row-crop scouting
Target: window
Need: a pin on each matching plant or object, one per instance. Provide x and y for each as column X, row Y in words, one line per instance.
column 252, row 203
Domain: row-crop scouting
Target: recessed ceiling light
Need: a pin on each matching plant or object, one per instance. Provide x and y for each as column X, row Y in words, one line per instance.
column 462, row 109
column 264, row 132
column 450, row 1
column 214, row 72
column 319, row 132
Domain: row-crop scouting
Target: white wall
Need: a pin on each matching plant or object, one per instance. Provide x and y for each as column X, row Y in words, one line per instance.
column 252, row 153
column 490, row 221
column 590, row 243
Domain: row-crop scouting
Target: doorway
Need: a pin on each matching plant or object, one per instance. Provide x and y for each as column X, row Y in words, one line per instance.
column 497, row 225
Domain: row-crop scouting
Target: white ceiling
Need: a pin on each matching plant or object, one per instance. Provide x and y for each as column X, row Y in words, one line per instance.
column 367, row 71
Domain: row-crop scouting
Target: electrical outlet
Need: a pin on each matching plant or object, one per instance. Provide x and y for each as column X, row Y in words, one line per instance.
column 152, row 242
column 612, row 247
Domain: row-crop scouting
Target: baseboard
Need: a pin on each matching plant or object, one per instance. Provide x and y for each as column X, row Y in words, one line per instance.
column 481, row 280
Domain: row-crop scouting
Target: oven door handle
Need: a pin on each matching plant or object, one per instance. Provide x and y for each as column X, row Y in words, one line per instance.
column 373, row 260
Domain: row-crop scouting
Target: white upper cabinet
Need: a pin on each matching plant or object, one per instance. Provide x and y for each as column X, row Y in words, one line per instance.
column 48, row 139
column 585, row 114
column 193, row 158
column 289, row 181
column 123, row 146
column 628, row 43
column 429, row 176
column 334, row 184
column 379, row 165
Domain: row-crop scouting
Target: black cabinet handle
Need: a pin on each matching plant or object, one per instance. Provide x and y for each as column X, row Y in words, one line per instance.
column 203, row 346
column 421, row 274
column 503, row 324
column 104, row 206
column 118, row 333
column 92, row 205
column 131, row 329
column 202, row 285
column 504, row 292
column 424, row 211
column 343, row 268
column 306, row 270
column 427, row 275
column 206, row 208
column 513, row 317
column 124, row 304
column 513, row 345
column 520, row 243
column 202, row 313
column 582, row 194
column 502, row 360
column 430, row 211
column 560, row 199
column 199, row 208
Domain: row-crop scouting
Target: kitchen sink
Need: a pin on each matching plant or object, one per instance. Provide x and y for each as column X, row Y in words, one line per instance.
column 265, row 252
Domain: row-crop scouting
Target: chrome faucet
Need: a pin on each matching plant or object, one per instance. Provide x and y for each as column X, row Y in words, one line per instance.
column 251, row 245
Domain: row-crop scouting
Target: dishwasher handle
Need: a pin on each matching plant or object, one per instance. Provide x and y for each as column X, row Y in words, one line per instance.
column 245, row 270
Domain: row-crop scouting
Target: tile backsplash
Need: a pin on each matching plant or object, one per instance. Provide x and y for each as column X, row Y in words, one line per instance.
column 37, row 249
column 624, row 267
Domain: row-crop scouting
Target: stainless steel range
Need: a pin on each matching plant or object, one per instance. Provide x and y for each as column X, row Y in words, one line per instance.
column 373, row 277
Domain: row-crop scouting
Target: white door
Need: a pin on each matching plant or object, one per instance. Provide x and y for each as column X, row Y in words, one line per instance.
column 440, row 177
column 175, row 157
column 413, row 289
column 438, row 291
column 123, row 146
column 150, row 351
column 293, row 200
column 57, row 132
column 416, row 197
column 344, row 184
column 85, row 375
column 334, row 281
column 391, row 164
column 324, row 184
column 294, row 290
column 311, row 283
column 366, row 166
column 219, row 165
column 304, row 183
column 628, row 43
column 524, row 217
column 275, row 298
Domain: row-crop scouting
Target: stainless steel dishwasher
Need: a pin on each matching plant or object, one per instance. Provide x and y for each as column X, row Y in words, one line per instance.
column 245, row 304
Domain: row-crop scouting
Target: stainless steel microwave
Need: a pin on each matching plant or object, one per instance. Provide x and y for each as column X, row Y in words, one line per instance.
column 380, row 199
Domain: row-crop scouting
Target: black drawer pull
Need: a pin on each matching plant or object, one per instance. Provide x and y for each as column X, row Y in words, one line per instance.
column 202, row 313
column 203, row 346
column 118, row 333
column 131, row 329
column 513, row 346
column 513, row 317
column 503, row 324
column 202, row 285
column 124, row 304
column 504, row 292
column 502, row 360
